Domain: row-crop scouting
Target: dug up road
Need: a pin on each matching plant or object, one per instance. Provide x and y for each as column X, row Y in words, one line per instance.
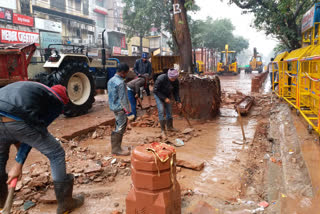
column 277, row 171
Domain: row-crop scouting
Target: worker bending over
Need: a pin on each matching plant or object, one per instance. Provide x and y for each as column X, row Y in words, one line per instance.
column 134, row 89
column 26, row 110
column 165, row 86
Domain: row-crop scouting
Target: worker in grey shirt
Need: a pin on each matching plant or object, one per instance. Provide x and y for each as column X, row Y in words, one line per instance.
column 134, row 88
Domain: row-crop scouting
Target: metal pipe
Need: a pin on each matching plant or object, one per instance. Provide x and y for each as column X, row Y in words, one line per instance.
column 103, row 53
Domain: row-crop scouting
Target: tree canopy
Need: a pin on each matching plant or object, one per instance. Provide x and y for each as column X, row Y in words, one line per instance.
column 216, row 34
column 139, row 17
column 281, row 19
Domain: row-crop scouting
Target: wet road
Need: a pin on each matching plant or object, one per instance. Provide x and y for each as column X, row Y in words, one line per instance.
column 241, row 82
column 218, row 182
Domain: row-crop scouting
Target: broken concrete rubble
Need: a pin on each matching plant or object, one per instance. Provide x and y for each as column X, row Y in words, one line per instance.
column 203, row 208
column 191, row 164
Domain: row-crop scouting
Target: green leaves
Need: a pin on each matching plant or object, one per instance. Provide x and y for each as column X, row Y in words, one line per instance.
column 278, row 18
column 139, row 16
column 216, row 34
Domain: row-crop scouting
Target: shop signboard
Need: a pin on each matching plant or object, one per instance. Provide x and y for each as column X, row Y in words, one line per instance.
column 23, row 20
column 17, row 36
column 48, row 25
column 11, row 4
column 125, row 52
column 145, row 50
column 47, row 38
column 6, row 15
column 123, row 42
column 308, row 20
column 116, row 50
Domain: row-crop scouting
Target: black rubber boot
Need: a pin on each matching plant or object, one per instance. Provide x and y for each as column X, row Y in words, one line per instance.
column 170, row 126
column 116, row 141
column 63, row 190
column 3, row 189
column 163, row 128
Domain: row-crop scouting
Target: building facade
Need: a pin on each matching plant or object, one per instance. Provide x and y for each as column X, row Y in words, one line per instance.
column 69, row 18
column 159, row 43
column 46, row 22
column 74, row 22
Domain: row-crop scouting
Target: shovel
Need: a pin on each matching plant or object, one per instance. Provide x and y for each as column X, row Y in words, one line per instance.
column 184, row 113
column 139, row 103
column 9, row 201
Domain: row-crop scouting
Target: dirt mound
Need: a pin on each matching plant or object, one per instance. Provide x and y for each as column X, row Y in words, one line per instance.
column 201, row 96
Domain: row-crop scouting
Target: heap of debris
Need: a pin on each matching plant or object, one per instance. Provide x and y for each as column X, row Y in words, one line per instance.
column 36, row 185
column 201, row 96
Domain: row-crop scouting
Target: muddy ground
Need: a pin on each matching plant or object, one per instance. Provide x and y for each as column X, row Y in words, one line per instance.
column 276, row 171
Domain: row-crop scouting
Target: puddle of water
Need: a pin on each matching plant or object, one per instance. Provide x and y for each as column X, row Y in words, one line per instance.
column 226, row 112
column 241, row 82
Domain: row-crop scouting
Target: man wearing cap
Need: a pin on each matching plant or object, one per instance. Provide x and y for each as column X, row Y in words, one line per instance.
column 165, row 86
column 141, row 67
column 26, row 110
column 134, row 87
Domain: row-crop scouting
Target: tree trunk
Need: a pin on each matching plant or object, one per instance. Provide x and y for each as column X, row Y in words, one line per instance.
column 182, row 33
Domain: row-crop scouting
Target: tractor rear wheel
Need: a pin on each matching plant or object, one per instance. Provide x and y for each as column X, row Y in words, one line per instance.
column 75, row 76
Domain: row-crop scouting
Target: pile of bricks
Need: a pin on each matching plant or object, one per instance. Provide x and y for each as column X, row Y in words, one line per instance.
column 257, row 81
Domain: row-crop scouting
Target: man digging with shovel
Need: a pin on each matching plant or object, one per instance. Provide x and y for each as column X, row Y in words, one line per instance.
column 134, row 89
column 165, row 86
column 26, row 110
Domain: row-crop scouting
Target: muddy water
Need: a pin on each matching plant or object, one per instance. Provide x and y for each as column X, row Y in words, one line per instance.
column 241, row 82
column 311, row 153
column 220, row 177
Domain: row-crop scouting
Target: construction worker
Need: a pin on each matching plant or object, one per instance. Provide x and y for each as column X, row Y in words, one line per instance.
column 134, row 87
column 165, row 86
column 119, row 104
column 273, row 75
column 26, row 110
column 143, row 66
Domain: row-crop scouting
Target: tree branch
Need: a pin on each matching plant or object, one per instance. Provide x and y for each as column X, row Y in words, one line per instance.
column 299, row 8
column 245, row 5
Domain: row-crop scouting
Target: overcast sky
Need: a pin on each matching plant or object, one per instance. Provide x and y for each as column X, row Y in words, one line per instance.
column 217, row 9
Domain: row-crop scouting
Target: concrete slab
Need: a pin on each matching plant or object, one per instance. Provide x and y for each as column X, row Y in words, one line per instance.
column 99, row 115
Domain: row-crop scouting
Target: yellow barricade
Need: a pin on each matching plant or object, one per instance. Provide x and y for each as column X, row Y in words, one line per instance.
column 310, row 88
column 289, row 76
column 277, row 62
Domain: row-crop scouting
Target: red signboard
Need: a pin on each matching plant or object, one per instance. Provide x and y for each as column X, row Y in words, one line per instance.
column 123, row 42
column 5, row 15
column 103, row 12
column 17, row 36
column 22, row 20
column 116, row 50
